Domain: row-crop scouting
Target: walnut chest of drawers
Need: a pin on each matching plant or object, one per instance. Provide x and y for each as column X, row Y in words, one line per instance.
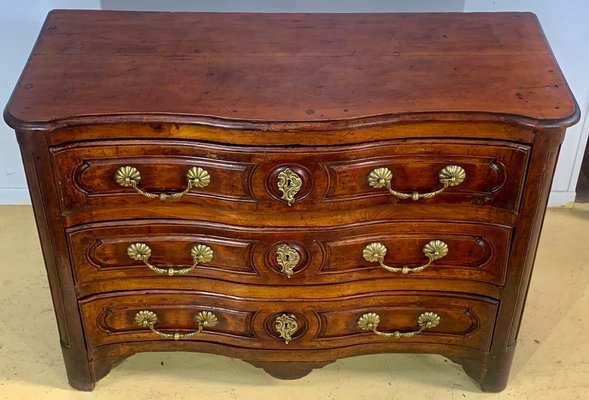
column 290, row 189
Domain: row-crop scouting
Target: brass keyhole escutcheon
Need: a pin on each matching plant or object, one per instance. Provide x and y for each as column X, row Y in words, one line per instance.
column 289, row 183
column 286, row 327
column 288, row 258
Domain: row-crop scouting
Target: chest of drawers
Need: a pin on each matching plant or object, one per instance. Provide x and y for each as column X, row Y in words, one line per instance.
column 290, row 189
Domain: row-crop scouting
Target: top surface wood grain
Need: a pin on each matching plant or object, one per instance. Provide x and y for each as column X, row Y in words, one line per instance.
column 289, row 70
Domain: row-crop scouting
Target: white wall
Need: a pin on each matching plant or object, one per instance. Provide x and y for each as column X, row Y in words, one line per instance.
column 285, row 6
column 566, row 24
column 20, row 22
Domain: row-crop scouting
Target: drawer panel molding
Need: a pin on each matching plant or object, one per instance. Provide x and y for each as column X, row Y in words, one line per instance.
column 458, row 252
column 239, row 181
column 278, row 323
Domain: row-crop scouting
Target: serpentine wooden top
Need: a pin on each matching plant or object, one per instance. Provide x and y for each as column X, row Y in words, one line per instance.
column 289, row 71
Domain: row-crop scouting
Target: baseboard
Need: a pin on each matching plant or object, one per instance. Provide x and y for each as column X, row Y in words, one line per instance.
column 561, row 199
column 14, row 196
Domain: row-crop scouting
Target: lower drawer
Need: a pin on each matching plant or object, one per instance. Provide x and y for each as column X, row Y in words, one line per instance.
column 266, row 323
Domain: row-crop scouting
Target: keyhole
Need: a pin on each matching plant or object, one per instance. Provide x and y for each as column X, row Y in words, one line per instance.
column 287, row 257
column 289, row 182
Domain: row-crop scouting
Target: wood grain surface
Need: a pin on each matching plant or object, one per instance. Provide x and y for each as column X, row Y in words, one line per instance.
column 330, row 96
column 288, row 71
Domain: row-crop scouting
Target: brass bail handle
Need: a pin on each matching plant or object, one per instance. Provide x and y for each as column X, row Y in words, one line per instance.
column 450, row 175
column 201, row 254
column 148, row 319
column 426, row 320
column 129, row 176
column 434, row 250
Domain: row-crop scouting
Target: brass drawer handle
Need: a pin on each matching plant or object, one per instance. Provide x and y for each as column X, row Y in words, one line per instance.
column 204, row 319
column 426, row 320
column 434, row 250
column 130, row 176
column 289, row 183
column 450, row 175
column 200, row 253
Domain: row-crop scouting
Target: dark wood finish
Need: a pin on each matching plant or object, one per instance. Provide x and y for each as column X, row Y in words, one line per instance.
column 582, row 189
column 258, row 69
column 99, row 253
column 244, row 179
column 323, row 323
column 46, row 207
column 331, row 96
column 460, row 128
column 288, row 370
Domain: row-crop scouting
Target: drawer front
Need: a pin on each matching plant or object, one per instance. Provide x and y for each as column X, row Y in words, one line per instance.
column 453, row 319
column 265, row 180
column 113, row 319
column 290, row 324
column 105, row 257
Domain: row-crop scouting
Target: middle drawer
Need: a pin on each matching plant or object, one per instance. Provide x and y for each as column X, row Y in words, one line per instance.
column 171, row 254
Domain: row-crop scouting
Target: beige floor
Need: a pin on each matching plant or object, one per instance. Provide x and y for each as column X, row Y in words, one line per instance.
column 551, row 360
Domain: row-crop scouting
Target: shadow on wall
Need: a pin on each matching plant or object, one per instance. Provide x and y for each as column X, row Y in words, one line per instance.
column 277, row 6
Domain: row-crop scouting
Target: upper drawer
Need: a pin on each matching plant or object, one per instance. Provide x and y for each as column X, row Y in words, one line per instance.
column 240, row 179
